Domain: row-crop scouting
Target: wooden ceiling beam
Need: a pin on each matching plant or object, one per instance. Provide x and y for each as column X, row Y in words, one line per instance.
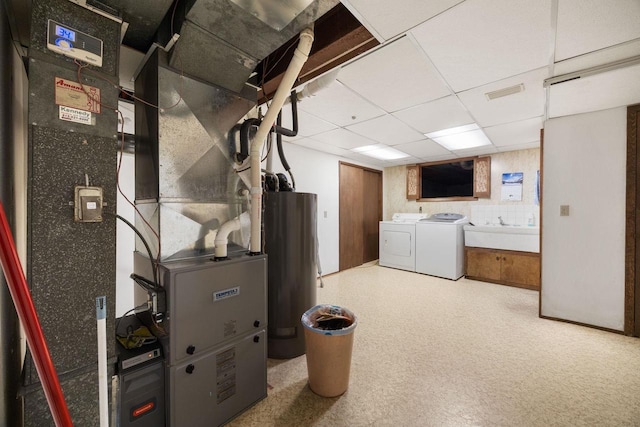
column 339, row 36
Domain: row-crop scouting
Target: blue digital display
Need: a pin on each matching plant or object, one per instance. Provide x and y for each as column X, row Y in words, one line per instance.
column 65, row 33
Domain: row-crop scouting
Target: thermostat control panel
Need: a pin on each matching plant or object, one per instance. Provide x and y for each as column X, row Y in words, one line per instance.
column 73, row 43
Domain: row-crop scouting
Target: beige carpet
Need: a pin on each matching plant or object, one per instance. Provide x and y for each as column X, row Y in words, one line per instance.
column 433, row 352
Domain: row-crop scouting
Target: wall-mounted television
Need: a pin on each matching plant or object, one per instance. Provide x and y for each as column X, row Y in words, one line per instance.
column 451, row 179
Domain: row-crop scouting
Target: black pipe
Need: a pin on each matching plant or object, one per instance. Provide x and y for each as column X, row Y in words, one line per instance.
column 283, row 159
column 244, row 138
column 233, row 151
column 294, row 116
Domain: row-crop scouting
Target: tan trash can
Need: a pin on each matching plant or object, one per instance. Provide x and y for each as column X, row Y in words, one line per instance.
column 328, row 334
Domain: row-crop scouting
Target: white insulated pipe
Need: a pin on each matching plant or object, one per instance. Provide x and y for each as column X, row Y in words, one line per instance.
column 222, row 237
column 288, row 80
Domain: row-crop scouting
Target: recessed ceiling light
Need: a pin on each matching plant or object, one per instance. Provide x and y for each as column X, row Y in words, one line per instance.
column 381, row 151
column 460, row 138
column 452, row 131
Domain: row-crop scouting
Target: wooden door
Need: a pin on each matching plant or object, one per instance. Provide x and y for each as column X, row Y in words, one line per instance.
column 351, row 216
column 632, row 245
column 372, row 214
column 360, row 214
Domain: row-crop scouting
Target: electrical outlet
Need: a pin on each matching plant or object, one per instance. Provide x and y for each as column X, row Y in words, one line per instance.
column 564, row 210
column 88, row 204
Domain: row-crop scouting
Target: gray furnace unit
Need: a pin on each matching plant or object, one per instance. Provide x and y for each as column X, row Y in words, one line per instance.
column 291, row 244
column 215, row 348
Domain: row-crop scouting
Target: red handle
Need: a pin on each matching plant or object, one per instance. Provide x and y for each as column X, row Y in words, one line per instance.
column 29, row 318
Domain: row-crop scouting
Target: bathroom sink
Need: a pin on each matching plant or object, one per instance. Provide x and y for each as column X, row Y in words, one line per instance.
column 507, row 237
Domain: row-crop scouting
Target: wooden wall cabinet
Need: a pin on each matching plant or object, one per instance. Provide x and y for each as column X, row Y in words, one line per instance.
column 520, row 269
column 413, row 183
column 482, row 177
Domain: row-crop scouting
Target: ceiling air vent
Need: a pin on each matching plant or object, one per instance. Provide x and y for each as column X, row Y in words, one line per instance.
column 504, row 92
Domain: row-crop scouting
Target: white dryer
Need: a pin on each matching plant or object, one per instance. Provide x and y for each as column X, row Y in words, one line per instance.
column 398, row 241
column 440, row 245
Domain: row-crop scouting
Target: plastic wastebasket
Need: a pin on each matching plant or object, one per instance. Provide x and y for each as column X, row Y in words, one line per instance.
column 328, row 334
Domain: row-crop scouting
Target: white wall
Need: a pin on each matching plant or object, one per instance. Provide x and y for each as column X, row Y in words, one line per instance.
column 584, row 166
column 125, row 237
column 317, row 172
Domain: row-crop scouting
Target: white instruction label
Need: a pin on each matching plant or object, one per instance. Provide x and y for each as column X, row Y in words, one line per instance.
column 77, row 116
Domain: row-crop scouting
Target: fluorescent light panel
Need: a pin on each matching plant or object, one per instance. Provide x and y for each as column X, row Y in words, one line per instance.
column 381, row 152
column 460, row 138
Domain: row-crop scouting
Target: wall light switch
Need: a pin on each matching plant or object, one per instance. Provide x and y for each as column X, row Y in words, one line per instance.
column 564, row 210
column 88, row 204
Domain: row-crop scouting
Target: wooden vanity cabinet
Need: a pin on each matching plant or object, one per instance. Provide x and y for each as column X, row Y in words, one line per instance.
column 521, row 269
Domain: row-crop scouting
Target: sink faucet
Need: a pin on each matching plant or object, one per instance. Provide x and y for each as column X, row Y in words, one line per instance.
column 501, row 221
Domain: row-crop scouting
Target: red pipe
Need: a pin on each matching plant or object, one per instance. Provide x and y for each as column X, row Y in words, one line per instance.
column 29, row 318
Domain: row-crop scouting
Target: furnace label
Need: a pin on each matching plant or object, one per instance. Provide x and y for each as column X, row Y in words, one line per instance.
column 77, row 116
column 227, row 293
column 72, row 94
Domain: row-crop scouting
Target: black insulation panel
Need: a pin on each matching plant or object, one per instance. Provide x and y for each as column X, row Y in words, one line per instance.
column 71, row 263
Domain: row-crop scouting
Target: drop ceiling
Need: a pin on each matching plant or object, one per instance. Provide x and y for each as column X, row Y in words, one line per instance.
column 436, row 64
column 438, row 60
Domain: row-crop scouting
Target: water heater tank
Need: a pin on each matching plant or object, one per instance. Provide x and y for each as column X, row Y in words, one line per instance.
column 290, row 243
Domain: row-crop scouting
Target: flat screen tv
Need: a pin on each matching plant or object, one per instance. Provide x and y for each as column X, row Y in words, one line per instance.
column 452, row 179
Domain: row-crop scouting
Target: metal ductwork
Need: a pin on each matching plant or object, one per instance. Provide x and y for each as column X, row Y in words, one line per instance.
column 186, row 185
column 222, row 41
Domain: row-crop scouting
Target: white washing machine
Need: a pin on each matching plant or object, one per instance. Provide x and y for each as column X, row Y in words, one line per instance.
column 398, row 241
column 440, row 245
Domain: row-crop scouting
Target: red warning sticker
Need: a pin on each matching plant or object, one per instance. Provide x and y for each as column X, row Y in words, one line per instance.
column 74, row 95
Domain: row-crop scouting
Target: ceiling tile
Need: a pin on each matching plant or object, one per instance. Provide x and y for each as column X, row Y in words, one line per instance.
column 595, row 92
column 588, row 25
column 344, row 139
column 389, row 20
column 443, row 113
column 396, row 76
column 423, row 149
column 339, row 105
column 308, row 124
column 363, row 159
column 400, row 162
column 519, row 147
column 524, row 105
column 479, row 151
column 320, row 146
column 515, row 133
column 601, row 57
column 387, row 130
column 478, row 42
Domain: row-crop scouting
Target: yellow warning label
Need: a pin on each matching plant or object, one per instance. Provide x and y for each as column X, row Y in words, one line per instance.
column 72, row 94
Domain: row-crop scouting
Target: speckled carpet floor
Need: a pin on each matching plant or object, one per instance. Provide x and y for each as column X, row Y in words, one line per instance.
column 433, row 352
